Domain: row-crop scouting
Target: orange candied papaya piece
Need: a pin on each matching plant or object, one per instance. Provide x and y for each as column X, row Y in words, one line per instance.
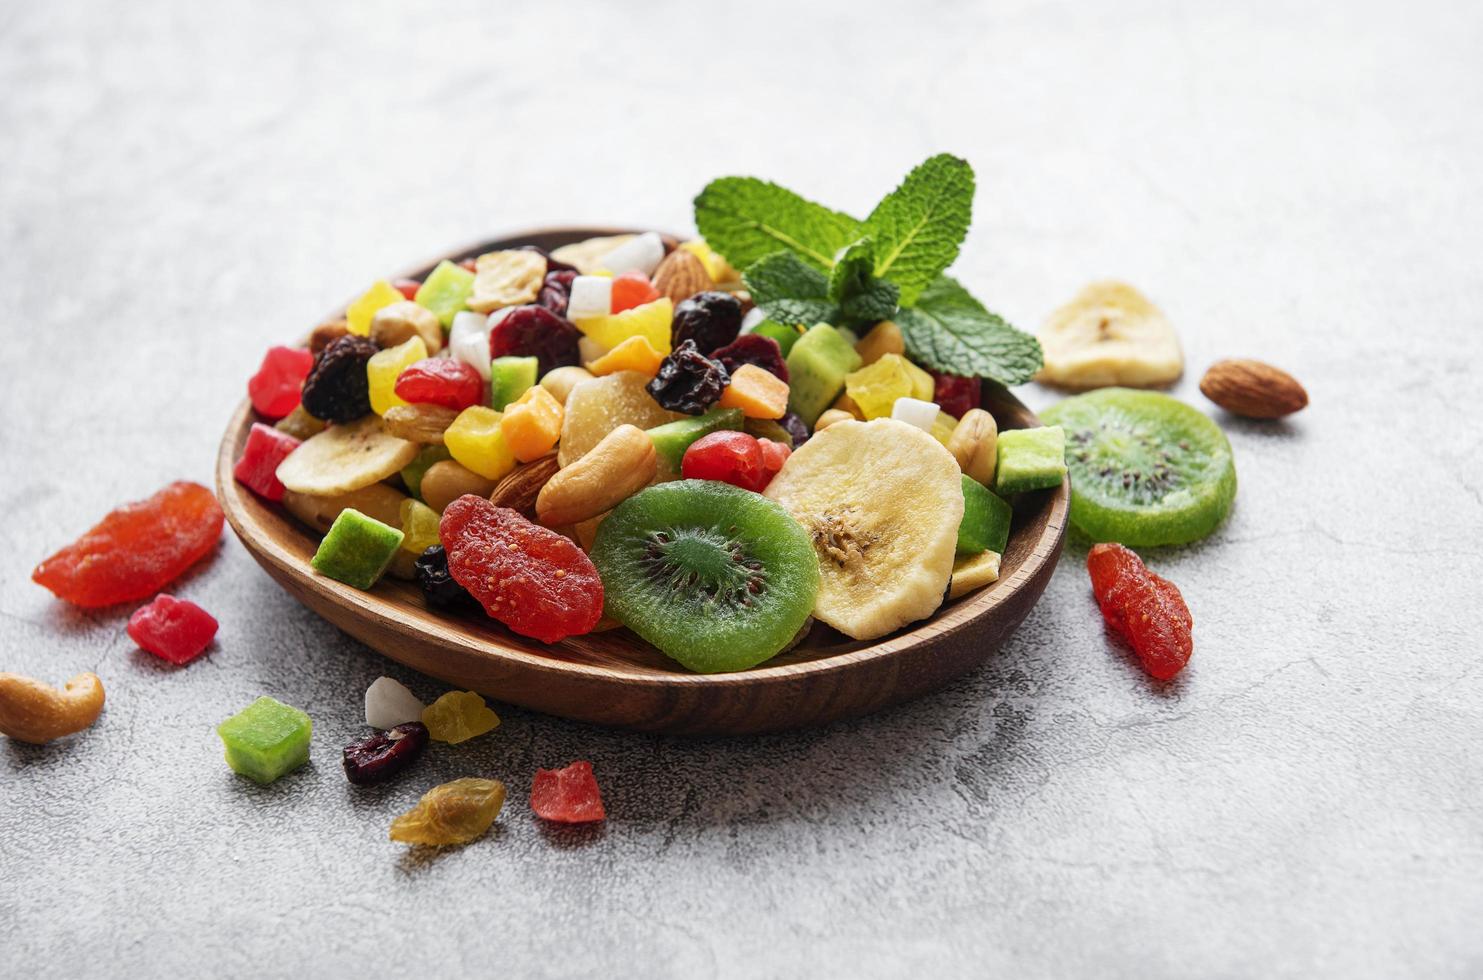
column 633, row 354
column 759, row 393
column 532, row 424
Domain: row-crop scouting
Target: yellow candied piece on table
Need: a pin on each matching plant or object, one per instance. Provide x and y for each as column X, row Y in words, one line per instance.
column 358, row 314
column 650, row 321
column 477, row 442
column 385, row 366
column 532, row 424
column 458, row 716
column 633, row 354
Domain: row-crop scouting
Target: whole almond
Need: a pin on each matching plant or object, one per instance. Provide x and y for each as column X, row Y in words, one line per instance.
column 681, row 275
column 1253, row 388
column 519, row 489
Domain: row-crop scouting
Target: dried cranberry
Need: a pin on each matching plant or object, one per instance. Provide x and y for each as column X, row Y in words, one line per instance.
column 710, row 319
column 556, row 291
column 385, row 754
column 337, row 389
column 796, row 427
column 438, row 587
column 955, row 394
column 441, row 381
column 534, row 331
column 688, row 381
column 753, row 349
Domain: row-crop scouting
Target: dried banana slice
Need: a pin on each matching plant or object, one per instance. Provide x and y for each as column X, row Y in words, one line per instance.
column 1109, row 334
column 585, row 254
column 882, row 501
column 509, row 278
column 345, row 457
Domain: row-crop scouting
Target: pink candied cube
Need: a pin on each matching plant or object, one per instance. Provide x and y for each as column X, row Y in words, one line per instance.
column 172, row 629
column 275, row 388
column 257, row 470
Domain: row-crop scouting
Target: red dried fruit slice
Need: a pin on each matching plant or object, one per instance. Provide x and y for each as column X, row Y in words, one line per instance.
column 172, row 629
column 1145, row 609
column 567, row 795
column 137, row 549
column 274, row 390
column 535, row 581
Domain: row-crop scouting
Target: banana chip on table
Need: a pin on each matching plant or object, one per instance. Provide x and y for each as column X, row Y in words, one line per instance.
column 1109, row 334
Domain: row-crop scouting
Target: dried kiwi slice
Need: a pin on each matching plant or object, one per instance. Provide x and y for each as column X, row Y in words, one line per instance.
column 1146, row 469
column 717, row 577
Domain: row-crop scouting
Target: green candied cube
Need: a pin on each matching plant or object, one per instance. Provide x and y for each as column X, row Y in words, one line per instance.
column 986, row 519
column 266, row 739
column 357, row 549
column 785, row 336
column 1030, row 459
column 414, row 471
column 509, row 378
column 445, row 291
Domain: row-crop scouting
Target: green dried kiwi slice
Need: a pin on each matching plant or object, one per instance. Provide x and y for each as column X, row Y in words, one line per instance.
column 717, row 577
column 1146, row 469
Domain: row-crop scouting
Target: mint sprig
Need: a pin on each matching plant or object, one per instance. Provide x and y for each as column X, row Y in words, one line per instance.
column 805, row 263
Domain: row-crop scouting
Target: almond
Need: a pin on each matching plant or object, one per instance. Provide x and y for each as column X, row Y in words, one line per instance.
column 519, row 489
column 1254, row 389
column 681, row 275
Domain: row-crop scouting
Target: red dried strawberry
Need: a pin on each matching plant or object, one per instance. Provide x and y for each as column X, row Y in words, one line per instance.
column 1143, row 608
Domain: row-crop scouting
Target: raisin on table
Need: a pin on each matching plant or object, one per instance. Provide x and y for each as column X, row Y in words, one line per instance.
column 453, row 813
column 1145, row 609
column 688, row 381
column 337, row 389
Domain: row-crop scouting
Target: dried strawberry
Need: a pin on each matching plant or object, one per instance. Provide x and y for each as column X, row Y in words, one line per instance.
column 567, row 795
column 535, row 581
column 1145, row 609
column 137, row 549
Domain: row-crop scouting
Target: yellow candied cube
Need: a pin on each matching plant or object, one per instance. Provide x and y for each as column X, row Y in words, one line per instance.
column 358, row 314
column 532, row 424
column 875, row 387
column 384, row 367
column 477, row 442
column 650, row 321
column 720, row 270
column 943, row 426
column 633, row 354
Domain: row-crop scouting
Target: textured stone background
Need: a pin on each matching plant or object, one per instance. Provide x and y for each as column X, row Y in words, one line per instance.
column 183, row 184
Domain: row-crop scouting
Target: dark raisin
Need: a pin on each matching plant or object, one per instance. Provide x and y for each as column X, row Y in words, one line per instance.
column 385, row 754
column 336, row 389
column 796, row 427
column 534, row 331
column 688, row 381
column 753, row 349
column 552, row 265
column 710, row 319
column 438, row 587
column 556, row 291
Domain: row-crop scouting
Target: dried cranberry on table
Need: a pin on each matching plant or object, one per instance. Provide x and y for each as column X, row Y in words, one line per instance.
column 688, row 381
column 534, row 331
column 556, row 291
column 1145, row 609
column 955, row 394
column 710, row 319
column 753, row 349
column 384, row 754
column 337, row 388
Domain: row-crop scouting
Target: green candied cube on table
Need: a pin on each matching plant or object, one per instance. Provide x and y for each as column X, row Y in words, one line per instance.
column 1030, row 459
column 445, row 291
column 357, row 549
column 266, row 739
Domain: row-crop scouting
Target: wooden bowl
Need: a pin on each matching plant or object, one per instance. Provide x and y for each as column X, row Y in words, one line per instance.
column 614, row 678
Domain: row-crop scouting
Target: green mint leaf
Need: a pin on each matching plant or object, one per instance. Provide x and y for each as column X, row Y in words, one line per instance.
column 746, row 219
column 919, row 226
column 853, row 285
column 948, row 330
column 801, row 312
column 783, row 275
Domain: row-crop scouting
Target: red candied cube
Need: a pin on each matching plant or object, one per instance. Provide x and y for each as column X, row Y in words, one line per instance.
column 407, row 287
column 955, row 394
column 172, row 629
column 257, row 470
column 274, row 390
column 567, row 795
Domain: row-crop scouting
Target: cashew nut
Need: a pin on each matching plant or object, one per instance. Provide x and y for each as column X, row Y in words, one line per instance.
column 31, row 711
column 615, row 469
column 830, row 416
column 974, row 444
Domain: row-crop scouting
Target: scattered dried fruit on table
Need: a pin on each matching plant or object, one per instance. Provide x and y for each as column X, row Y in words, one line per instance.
column 1254, row 389
column 274, row 389
column 389, row 704
column 137, row 549
column 172, row 629
column 1109, row 334
column 1145, row 609
column 568, row 795
column 266, row 740
column 378, row 757
column 34, row 711
column 453, row 813
column 459, row 716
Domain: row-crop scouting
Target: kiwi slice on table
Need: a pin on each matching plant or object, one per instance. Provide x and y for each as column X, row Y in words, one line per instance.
column 1146, row 469
column 717, row 577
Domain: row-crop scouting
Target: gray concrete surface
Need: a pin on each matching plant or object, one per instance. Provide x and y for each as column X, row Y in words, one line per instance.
column 183, row 184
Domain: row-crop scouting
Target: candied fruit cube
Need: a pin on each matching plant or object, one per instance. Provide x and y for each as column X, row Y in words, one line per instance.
column 477, row 442
column 633, row 354
column 876, row 387
column 453, row 813
column 419, row 526
column 459, row 716
column 532, row 424
column 509, row 378
column 357, row 549
column 567, row 795
column 758, row 392
column 468, row 340
column 1030, row 459
column 632, row 289
column 257, row 470
column 172, row 629
column 650, row 321
column 358, row 314
column 385, row 366
column 274, row 390
column 266, row 739
column 446, row 291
